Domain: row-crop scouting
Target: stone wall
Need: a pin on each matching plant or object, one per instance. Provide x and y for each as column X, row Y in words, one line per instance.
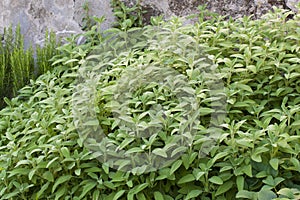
column 64, row 17
column 233, row 8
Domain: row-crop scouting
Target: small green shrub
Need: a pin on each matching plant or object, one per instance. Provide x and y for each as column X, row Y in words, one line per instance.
column 256, row 153
column 127, row 17
column 45, row 53
column 17, row 65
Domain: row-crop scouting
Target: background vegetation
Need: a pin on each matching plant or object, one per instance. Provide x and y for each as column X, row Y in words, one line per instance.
column 17, row 65
column 127, row 17
column 256, row 155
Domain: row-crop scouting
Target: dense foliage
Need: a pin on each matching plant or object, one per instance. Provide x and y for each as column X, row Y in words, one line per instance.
column 254, row 156
column 17, row 65
column 128, row 17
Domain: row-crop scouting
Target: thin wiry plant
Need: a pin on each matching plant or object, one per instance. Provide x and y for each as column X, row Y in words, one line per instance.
column 17, row 64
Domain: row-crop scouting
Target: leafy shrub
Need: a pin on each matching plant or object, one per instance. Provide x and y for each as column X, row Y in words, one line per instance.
column 128, row 17
column 256, row 154
column 17, row 65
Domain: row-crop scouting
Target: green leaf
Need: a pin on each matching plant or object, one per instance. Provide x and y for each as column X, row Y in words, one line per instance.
column 130, row 196
column 252, row 68
column 23, row 162
column 70, row 61
column 129, row 183
column 160, row 152
column 245, row 142
column 296, row 163
column 31, row 174
column 10, row 195
column 110, row 185
column 193, row 194
column 158, row 196
column 278, row 180
column 138, row 188
column 225, row 168
column 274, row 163
column 269, row 181
column 219, row 156
column 296, row 123
column 240, row 182
column 266, row 194
column 185, row 179
column 205, row 111
column 286, row 192
column 126, row 142
column 245, row 194
column 256, row 157
column 175, row 166
column 87, row 187
column 134, row 150
column 198, row 173
column 105, row 167
column 61, row 191
column 186, row 161
column 248, row 170
column 119, row 194
column 96, row 195
column 19, row 171
column 241, row 56
column 178, row 150
column 244, row 87
column 61, row 180
column 92, row 123
column 140, row 196
column 52, row 162
column 59, row 61
column 224, row 188
column 48, row 176
column 216, row 180
column 261, row 174
column 78, row 172
column 42, row 190
column 65, row 151
column 294, row 60
column 256, row 154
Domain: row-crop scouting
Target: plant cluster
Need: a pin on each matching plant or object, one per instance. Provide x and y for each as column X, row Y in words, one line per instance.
column 87, row 19
column 17, row 65
column 128, row 17
column 248, row 150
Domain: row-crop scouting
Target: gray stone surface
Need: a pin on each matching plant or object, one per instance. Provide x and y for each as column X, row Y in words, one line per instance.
column 233, row 8
column 65, row 17
column 292, row 4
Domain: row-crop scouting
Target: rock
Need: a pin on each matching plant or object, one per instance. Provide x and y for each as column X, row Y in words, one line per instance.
column 233, row 8
column 292, row 4
column 66, row 17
